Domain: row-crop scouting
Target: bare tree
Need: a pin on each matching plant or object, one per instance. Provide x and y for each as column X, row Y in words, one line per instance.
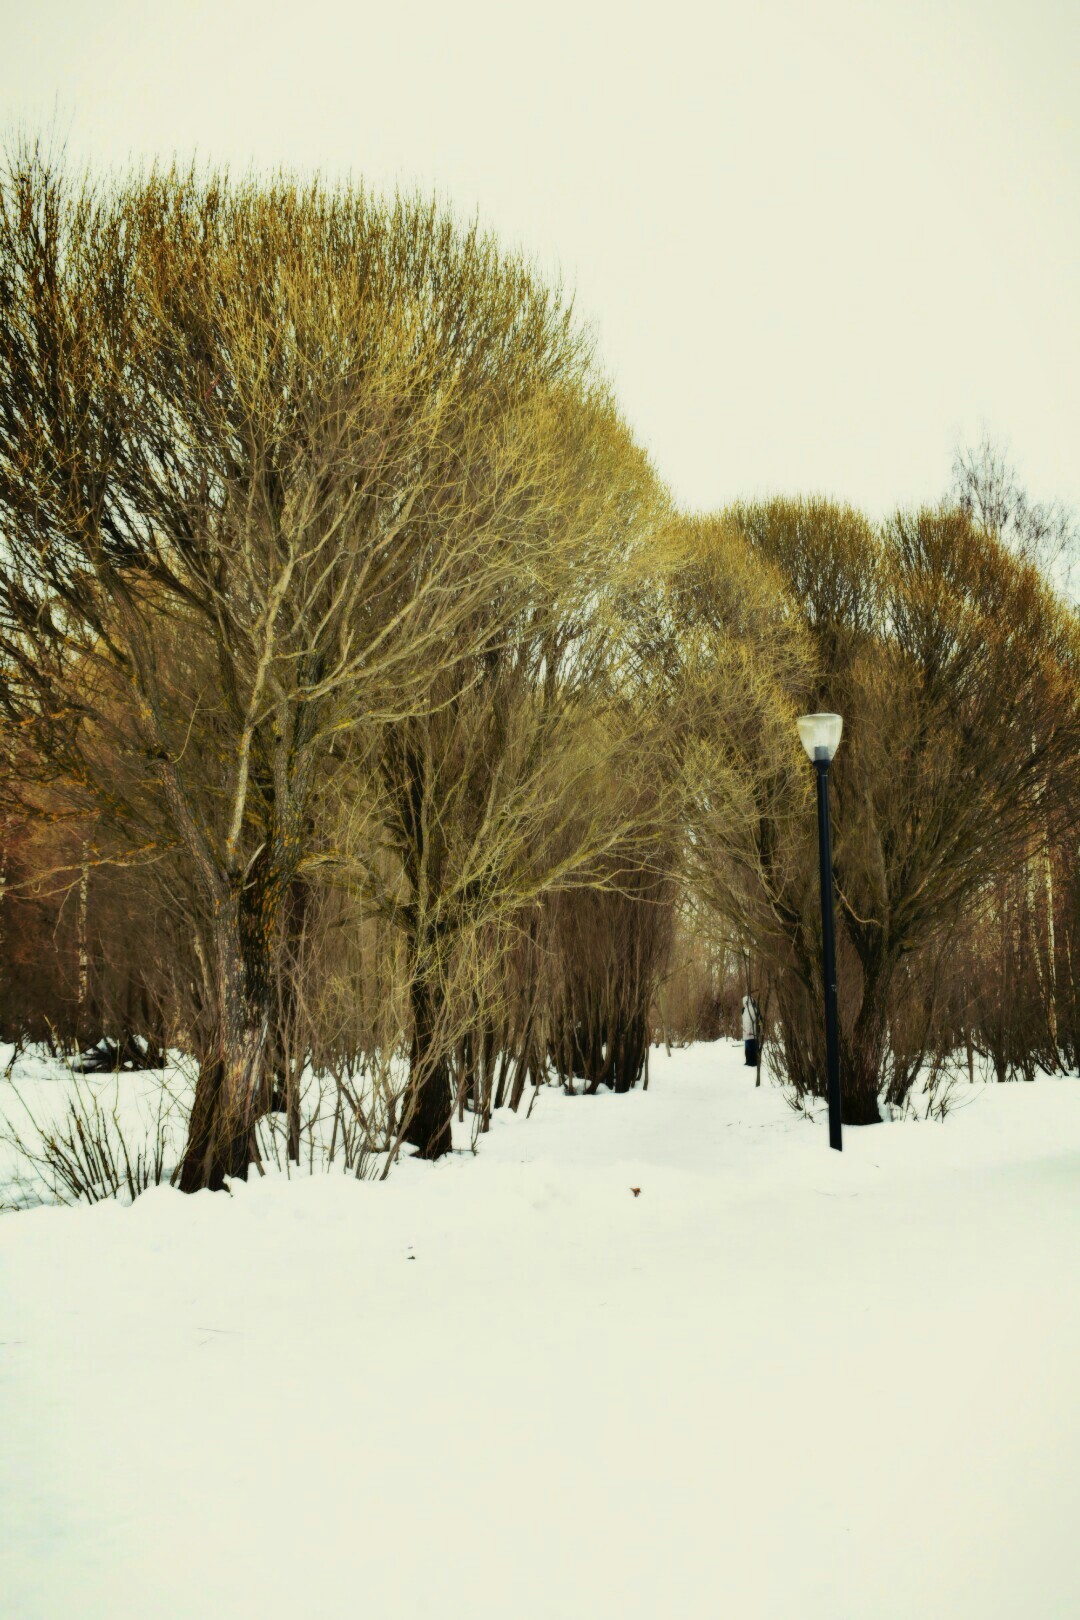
column 986, row 485
column 488, row 800
column 955, row 669
column 264, row 452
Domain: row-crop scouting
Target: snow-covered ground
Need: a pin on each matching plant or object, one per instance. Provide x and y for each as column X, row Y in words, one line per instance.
column 778, row 1382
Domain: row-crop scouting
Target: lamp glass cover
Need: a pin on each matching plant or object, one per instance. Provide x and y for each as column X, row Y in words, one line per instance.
column 820, row 734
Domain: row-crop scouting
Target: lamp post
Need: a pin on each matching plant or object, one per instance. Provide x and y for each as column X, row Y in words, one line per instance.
column 820, row 734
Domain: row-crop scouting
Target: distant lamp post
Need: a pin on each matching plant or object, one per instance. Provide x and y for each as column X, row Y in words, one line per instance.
column 820, row 734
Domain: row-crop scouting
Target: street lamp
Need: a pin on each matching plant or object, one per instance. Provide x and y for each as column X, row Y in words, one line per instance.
column 820, row 734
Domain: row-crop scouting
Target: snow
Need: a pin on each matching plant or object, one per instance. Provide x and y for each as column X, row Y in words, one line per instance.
column 778, row 1382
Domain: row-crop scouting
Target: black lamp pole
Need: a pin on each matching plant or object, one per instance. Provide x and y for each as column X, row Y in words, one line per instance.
column 828, row 940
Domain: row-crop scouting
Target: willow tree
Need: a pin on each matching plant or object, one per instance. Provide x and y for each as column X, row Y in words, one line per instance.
column 956, row 671
column 732, row 662
column 486, row 798
column 282, row 426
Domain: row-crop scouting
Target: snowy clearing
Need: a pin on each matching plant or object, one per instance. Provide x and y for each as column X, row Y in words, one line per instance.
column 777, row 1382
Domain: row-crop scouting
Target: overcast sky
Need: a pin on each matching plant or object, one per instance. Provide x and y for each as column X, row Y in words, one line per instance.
column 820, row 243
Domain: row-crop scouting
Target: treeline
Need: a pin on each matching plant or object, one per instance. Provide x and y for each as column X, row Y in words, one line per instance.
column 366, row 703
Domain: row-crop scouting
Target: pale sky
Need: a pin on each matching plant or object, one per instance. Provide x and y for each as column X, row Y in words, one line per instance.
column 819, row 243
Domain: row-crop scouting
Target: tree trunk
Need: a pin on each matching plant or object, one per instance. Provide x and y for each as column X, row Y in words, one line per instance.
column 862, row 1053
column 221, row 1134
column 864, row 1041
column 293, row 1114
column 521, row 1065
column 629, row 1045
column 84, row 953
column 432, row 1097
column 504, row 1070
column 233, row 1090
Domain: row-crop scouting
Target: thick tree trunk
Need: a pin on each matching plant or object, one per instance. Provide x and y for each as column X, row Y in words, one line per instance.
column 233, row 1090
column 862, row 1055
column 221, row 1136
column 862, row 1043
column 858, row 1105
column 432, row 1097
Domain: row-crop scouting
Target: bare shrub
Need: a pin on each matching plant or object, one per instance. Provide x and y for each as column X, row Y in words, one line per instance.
column 88, row 1155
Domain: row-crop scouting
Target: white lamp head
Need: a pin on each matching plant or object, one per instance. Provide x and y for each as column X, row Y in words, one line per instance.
column 820, row 734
